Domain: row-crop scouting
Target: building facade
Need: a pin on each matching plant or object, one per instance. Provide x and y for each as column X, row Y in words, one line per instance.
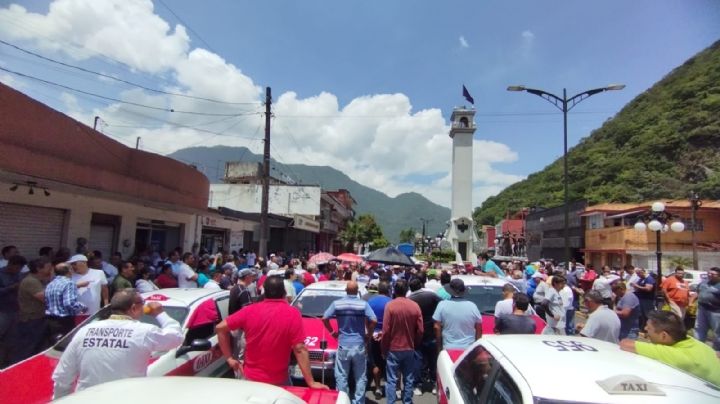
column 62, row 184
column 545, row 232
column 610, row 238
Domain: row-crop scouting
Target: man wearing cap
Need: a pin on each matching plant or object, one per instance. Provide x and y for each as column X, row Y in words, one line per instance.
column 458, row 322
column 602, row 323
column 92, row 284
column 116, row 348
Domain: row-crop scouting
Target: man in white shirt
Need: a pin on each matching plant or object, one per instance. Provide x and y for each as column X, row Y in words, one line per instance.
column 432, row 282
column 187, row 278
column 602, row 323
column 92, row 284
column 505, row 306
column 214, row 282
column 117, row 348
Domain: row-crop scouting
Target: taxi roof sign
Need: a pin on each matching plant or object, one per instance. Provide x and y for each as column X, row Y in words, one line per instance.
column 629, row 385
column 157, row 298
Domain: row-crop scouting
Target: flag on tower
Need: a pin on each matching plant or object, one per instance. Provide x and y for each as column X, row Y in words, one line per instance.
column 467, row 95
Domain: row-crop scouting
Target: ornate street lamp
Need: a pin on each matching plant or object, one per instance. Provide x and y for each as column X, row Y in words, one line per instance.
column 695, row 204
column 660, row 221
column 565, row 104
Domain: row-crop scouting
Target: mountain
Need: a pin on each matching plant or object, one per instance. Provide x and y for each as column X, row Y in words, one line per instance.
column 663, row 144
column 392, row 214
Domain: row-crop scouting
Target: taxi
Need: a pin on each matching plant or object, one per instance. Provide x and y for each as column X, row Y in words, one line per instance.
column 536, row 369
column 197, row 311
column 193, row 390
column 485, row 292
column 322, row 347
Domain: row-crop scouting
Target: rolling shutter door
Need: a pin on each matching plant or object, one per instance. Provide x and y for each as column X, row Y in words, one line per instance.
column 101, row 239
column 30, row 228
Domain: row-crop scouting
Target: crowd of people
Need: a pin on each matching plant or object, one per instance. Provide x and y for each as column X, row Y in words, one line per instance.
column 395, row 331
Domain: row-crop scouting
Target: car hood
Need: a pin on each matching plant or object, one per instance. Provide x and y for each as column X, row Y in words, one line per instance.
column 315, row 332
column 314, row 396
column 15, row 380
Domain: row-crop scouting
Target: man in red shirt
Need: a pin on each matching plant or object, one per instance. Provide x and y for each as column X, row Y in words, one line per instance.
column 402, row 333
column 677, row 292
column 272, row 330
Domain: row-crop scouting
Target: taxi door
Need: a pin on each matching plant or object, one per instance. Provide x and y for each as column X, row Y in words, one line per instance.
column 203, row 361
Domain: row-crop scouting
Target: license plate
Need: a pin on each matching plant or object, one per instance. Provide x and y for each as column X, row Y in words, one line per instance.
column 297, row 372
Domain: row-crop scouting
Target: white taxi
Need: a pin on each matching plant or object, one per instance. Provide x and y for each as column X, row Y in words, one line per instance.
column 197, row 310
column 189, row 390
column 322, row 347
column 485, row 292
column 543, row 369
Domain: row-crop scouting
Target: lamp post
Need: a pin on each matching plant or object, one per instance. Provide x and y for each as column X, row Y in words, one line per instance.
column 659, row 220
column 565, row 104
column 424, row 222
column 695, row 203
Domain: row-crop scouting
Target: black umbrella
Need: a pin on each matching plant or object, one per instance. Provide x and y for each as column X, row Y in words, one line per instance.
column 390, row 256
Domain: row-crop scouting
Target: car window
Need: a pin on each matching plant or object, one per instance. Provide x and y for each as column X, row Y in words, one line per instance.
column 313, row 303
column 472, row 372
column 484, row 297
column 176, row 313
column 504, row 390
column 223, row 304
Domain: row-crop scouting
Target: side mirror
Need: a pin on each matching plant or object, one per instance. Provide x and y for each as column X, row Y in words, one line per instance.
column 195, row 345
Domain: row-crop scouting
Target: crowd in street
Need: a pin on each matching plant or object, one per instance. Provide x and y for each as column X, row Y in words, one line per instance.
column 395, row 331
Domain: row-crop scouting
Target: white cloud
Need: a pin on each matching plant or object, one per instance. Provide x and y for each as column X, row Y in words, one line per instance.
column 528, row 36
column 463, row 42
column 376, row 139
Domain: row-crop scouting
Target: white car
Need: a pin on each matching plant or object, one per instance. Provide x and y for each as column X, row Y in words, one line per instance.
column 312, row 303
column 542, row 369
column 193, row 390
column 485, row 292
column 694, row 277
column 197, row 310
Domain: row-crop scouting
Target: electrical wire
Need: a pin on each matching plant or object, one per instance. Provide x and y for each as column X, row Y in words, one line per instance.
column 187, row 26
column 116, row 99
column 107, row 76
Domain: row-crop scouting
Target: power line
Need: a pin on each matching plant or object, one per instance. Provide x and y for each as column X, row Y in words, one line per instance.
column 107, row 76
column 187, row 26
column 116, row 99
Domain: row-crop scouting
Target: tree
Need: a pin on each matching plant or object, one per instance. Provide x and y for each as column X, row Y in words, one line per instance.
column 350, row 235
column 407, row 235
column 368, row 229
column 380, row 242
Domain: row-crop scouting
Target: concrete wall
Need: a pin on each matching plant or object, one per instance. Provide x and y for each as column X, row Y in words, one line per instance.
column 80, row 208
column 284, row 200
column 39, row 142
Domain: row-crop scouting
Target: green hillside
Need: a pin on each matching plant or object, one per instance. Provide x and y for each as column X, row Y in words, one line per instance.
column 661, row 145
column 392, row 214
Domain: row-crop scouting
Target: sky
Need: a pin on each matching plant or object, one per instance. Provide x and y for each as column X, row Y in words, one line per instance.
column 365, row 87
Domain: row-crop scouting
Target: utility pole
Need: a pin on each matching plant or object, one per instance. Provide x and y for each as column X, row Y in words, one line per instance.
column 264, row 230
column 424, row 222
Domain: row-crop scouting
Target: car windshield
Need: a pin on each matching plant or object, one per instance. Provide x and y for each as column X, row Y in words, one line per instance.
column 484, row 297
column 313, row 303
column 177, row 313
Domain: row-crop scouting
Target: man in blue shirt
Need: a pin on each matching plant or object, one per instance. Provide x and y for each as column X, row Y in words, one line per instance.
column 377, row 304
column 488, row 268
column 356, row 322
column 458, row 322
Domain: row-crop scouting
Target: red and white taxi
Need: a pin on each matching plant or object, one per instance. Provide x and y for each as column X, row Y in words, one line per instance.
column 193, row 390
column 485, row 292
column 551, row 369
column 312, row 303
column 197, row 310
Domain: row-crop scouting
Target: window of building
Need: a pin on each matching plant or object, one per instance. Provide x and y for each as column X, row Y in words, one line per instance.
column 699, row 226
column 595, row 221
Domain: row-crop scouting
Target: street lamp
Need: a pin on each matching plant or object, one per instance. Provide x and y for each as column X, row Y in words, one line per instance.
column 695, row 204
column 659, row 220
column 565, row 104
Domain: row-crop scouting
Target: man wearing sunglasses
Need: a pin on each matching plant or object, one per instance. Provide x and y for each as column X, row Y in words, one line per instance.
column 116, row 348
